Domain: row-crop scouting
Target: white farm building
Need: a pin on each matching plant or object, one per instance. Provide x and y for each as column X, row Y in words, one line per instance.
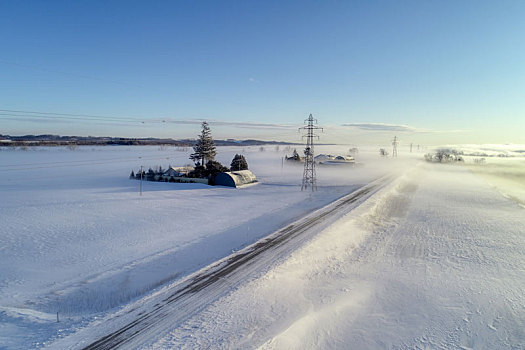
column 174, row 172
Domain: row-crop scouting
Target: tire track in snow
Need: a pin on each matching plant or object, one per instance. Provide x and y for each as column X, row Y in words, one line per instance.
column 147, row 322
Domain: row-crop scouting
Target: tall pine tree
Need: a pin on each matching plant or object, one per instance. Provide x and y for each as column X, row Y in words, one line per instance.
column 205, row 147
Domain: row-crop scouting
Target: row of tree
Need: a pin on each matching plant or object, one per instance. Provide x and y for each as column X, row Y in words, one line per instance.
column 213, row 167
column 444, row 156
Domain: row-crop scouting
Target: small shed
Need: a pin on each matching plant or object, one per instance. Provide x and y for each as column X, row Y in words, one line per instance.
column 235, row 178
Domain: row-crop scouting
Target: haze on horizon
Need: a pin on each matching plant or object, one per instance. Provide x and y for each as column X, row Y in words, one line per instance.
column 429, row 72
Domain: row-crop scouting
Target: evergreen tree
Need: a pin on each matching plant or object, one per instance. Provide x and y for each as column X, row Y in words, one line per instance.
column 239, row 163
column 132, row 175
column 150, row 176
column 212, row 169
column 205, row 147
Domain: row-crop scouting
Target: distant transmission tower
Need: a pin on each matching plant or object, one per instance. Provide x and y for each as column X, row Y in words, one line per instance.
column 309, row 178
column 394, row 147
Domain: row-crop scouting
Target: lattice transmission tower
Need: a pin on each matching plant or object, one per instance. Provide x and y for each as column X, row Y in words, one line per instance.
column 394, row 147
column 309, row 177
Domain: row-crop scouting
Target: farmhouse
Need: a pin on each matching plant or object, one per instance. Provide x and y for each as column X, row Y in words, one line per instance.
column 235, row 178
column 323, row 157
column 174, row 172
column 339, row 160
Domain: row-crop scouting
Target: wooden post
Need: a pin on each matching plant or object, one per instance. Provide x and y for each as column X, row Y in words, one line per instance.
column 141, row 180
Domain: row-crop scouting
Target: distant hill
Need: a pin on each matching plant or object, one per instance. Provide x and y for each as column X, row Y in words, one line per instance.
column 57, row 140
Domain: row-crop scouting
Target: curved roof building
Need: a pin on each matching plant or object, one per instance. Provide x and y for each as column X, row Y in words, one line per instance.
column 235, row 178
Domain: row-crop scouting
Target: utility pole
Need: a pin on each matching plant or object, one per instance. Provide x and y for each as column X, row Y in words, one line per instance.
column 394, row 147
column 410, row 147
column 141, row 180
column 309, row 178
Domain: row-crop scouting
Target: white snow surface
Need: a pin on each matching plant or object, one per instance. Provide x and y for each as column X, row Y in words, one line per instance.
column 435, row 261
column 76, row 238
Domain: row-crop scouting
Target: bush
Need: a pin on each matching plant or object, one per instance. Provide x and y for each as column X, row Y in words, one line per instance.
column 213, row 167
column 295, row 156
column 150, row 176
column 444, row 155
column 209, row 171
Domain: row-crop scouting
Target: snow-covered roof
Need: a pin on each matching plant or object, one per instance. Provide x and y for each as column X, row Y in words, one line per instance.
column 339, row 160
column 321, row 157
column 235, row 178
column 178, row 170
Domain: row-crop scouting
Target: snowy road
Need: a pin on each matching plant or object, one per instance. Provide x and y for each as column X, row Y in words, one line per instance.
column 434, row 261
column 147, row 320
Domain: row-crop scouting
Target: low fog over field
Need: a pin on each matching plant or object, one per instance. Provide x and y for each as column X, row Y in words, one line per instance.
column 506, row 174
column 502, row 166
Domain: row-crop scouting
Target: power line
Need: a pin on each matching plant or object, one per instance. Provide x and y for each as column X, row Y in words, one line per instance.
column 83, row 76
column 11, row 113
column 71, row 116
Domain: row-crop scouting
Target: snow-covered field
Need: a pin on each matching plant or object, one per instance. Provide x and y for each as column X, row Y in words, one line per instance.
column 76, row 238
column 505, row 174
column 434, row 260
column 503, row 167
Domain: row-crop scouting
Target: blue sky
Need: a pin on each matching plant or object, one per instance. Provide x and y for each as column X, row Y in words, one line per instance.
column 430, row 71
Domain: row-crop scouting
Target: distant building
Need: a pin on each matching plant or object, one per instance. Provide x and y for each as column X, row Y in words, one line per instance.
column 323, row 157
column 339, row 160
column 235, row 178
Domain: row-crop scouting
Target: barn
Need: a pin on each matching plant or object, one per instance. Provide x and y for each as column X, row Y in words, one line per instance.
column 235, row 178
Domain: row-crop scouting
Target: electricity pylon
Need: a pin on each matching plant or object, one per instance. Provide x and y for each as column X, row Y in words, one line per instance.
column 309, row 177
column 394, row 147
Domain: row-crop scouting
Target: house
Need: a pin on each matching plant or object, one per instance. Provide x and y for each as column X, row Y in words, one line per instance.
column 323, row 158
column 173, row 172
column 235, row 178
column 339, row 160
